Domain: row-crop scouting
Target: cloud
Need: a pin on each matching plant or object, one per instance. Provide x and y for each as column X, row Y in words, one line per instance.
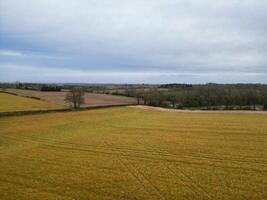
column 164, row 36
column 47, row 74
column 11, row 53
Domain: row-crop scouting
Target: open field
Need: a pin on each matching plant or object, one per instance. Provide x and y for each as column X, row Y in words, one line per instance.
column 91, row 99
column 129, row 153
column 12, row 103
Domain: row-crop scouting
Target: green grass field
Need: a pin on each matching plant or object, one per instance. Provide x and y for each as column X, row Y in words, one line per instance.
column 130, row 153
column 13, row 103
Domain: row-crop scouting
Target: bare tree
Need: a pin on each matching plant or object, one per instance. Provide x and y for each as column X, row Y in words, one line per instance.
column 134, row 92
column 75, row 96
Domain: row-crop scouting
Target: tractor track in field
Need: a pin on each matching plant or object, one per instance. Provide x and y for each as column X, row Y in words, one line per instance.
column 120, row 152
column 72, row 165
column 152, row 158
column 158, row 192
column 91, row 190
column 138, row 156
column 199, row 156
column 194, row 187
column 121, row 148
column 78, row 167
column 33, row 188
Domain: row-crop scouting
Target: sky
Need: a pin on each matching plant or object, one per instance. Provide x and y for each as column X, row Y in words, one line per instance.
column 140, row 41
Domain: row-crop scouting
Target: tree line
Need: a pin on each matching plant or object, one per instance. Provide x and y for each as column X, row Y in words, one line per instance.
column 210, row 96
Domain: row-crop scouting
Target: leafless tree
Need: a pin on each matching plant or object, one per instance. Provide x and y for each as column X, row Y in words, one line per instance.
column 76, row 97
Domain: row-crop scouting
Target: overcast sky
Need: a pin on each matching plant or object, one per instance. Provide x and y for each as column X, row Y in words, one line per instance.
column 140, row 41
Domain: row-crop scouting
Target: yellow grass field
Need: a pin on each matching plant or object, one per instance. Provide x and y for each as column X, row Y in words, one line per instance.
column 12, row 103
column 129, row 153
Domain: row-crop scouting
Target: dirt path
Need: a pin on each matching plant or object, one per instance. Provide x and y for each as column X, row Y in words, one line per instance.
column 196, row 111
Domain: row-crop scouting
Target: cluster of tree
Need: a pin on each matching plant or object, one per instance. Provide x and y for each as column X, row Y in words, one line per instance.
column 50, row 88
column 176, row 85
column 147, row 95
column 16, row 85
column 31, row 86
column 244, row 96
column 212, row 96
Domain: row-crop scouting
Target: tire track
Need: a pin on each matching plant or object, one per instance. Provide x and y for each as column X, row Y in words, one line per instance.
column 199, row 156
column 142, row 156
column 158, row 192
column 194, row 187
column 69, row 186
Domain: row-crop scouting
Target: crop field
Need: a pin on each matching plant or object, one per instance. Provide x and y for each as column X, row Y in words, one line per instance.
column 12, row 103
column 129, row 153
column 91, row 99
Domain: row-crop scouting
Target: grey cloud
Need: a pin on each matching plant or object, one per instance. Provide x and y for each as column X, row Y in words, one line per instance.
column 181, row 36
column 47, row 74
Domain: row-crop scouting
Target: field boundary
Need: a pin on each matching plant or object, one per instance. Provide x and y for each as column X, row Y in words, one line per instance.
column 26, row 96
column 145, row 107
column 36, row 112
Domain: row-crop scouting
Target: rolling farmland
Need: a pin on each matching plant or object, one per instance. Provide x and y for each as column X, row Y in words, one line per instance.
column 12, row 103
column 91, row 99
column 130, row 153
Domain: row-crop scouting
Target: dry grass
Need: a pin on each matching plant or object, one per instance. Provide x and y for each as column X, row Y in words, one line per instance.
column 90, row 98
column 12, row 103
column 129, row 153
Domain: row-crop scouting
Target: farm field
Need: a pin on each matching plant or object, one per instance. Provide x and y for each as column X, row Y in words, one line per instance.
column 91, row 99
column 13, row 103
column 130, row 153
